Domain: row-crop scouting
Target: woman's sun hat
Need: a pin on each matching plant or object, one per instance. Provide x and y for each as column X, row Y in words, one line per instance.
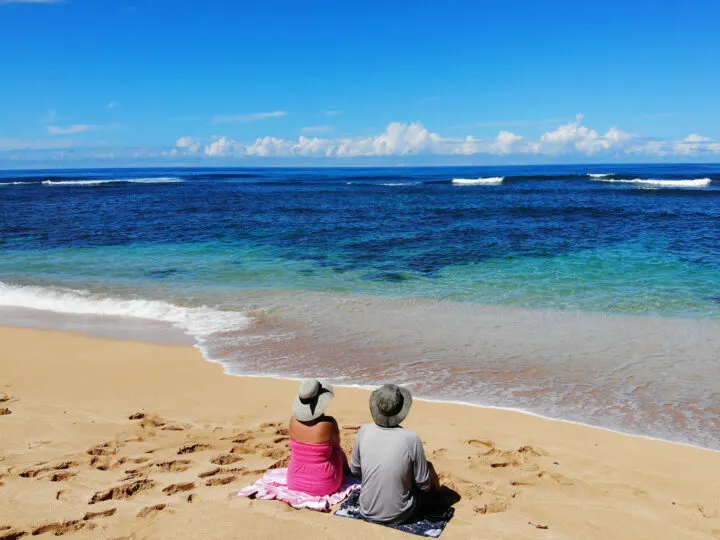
column 312, row 399
column 389, row 405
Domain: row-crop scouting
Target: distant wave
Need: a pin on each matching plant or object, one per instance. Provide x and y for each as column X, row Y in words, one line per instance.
column 600, row 175
column 680, row 183
column 111, row 181
column 198, row 322
column 393, row 184
column 491, row 181
column 13, row 183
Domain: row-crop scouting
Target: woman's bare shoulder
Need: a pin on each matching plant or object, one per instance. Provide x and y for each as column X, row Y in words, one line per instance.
column 317, row 431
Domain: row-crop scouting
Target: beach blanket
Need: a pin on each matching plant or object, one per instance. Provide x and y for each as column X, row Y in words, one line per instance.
column 430, row 526
column 273, row 486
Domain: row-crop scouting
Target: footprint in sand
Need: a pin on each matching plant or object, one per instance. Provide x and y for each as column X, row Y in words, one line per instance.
column 494, row 507
column 9, row 533
column 62, row 476
column 64, row 527
column 151, row 510
column 104, row 513
column 532, row 451
column 485, row 447
column 40, row 472
column 220, row 480
column 105, row 449
column 178, row 488
column 555, row 478
column 125, row 491
column 225, row 459
column 211, row 472
column 192, row 448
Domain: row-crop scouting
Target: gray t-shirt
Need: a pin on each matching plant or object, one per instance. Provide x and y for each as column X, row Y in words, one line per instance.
column 392, row 464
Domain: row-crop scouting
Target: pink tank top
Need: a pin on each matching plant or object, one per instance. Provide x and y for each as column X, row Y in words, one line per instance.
column 315, row 469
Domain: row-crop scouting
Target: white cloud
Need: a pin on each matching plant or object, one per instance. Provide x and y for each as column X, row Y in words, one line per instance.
column 332, row 113
column 252, row 117
column 113, row 105
column 506, row 143
column 574, row 137
column 316, row 129
column 695, row 138
column 191, row 145
column 75, row 128
column 221, row 147
column 401, row 139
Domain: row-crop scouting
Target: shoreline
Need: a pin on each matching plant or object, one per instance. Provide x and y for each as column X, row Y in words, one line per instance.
column 197, row 343
column 69, row 436
column 369, row 388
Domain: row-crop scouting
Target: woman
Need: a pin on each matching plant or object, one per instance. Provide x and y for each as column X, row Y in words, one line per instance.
column 317, row 461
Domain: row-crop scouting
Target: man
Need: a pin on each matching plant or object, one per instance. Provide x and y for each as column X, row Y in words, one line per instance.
column 390, row 460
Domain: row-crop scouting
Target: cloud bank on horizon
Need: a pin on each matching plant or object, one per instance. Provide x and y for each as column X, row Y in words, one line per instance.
column 406, row 139
column 570, row 141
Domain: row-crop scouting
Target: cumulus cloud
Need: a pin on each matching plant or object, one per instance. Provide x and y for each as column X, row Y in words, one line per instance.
column 506, row 143
column 573, row 136
column 405, row 139
column 75, row 128
column 188, row 143
column 243, row 118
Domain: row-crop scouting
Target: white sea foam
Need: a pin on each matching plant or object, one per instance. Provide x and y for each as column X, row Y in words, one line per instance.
column 491, row 181
column 394, row 184
column 198, row 322
column 652, row 182
column 111, row 181
column 600, row 175
column 13, row 183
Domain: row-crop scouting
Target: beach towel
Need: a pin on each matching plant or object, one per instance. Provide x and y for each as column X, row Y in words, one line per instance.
column 273, row 486
column 430, row 526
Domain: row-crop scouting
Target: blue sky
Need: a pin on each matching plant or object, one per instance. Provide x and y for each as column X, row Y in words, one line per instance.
column 114, row 82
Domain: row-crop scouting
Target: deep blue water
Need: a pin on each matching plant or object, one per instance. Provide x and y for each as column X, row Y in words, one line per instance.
column 546, row 236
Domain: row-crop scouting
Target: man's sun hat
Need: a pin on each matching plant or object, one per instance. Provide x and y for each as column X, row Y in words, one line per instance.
column 389, row 405
column 312, row 399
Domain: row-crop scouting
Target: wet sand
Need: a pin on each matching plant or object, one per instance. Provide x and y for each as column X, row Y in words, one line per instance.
column 103, row 438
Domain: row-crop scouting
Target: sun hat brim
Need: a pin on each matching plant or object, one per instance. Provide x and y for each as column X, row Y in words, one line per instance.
column 395, row 420
column 307, row 410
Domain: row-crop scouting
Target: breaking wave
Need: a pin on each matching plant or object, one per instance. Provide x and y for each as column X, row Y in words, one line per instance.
column 491, row 181
column 111, row 181
column 652, row 182
column 198, row 322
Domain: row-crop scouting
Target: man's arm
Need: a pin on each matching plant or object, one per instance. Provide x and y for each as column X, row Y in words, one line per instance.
column 355, row 467
column 425, row 476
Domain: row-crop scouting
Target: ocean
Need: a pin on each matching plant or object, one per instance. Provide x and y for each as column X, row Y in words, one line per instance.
column 583, row 293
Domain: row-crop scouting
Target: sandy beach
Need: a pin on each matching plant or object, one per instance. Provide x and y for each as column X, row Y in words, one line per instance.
column 118, row 439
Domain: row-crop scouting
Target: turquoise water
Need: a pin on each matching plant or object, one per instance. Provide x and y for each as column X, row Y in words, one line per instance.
column 623, row 278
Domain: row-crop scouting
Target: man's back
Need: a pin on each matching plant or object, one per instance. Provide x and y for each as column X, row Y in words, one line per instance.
column 393, row 467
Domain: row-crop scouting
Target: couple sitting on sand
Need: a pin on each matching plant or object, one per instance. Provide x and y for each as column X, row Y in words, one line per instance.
column 388, row 458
